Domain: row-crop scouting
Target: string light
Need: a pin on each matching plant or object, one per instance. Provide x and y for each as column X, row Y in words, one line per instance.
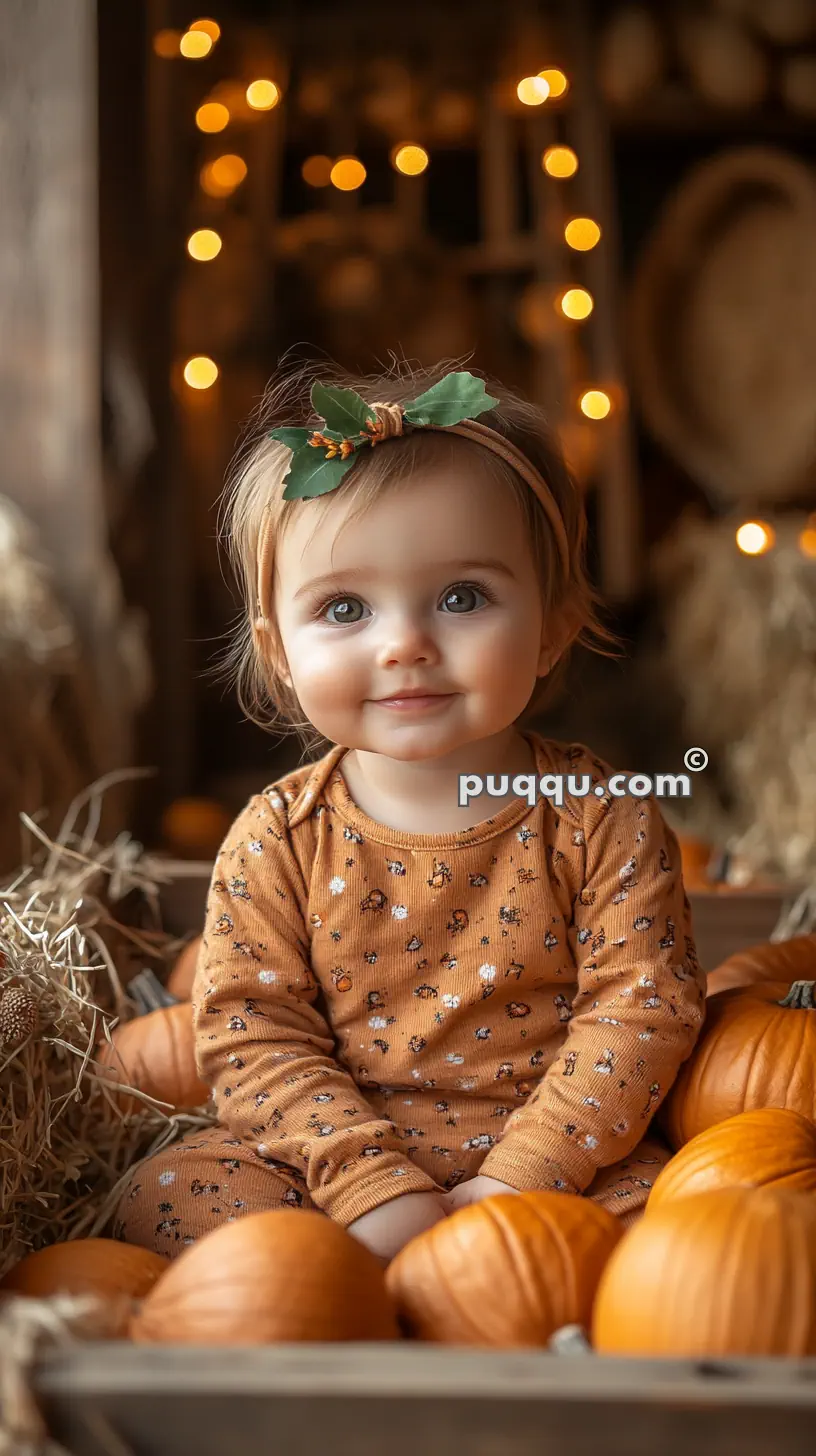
column 582, row 233
column 576, row 303
column 807, row 541
column 556, row 80
column 200, row 372
column 316, row 170
column 212, row 116
column 347, row 174
column 262, row 95
column 209, row 27
column 595, row 404
column 166, row 44
column 560, row 162
column 195, row 44
column 204, row 245
column 755, row 537
column 410, row 159
column 221, row 177
column 532, row 90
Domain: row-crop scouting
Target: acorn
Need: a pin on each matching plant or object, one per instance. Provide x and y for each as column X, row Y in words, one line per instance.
column 18, row 1016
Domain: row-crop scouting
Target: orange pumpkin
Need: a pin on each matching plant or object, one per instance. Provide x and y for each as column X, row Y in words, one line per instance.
column 104, row 1267
column 180, row 980
column 772, row 1147
column 726, row 1273
column 156, row 1054
column 507, row 1271
column 695, row 856
column 287, row 1275
column 783, row 960
column 757, row 1049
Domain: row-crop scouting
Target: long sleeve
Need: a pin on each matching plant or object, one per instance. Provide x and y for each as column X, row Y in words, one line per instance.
column 261, row 1041
column 636, row 1015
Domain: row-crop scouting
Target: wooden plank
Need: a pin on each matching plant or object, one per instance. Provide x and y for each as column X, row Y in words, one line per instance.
column 367, row 1399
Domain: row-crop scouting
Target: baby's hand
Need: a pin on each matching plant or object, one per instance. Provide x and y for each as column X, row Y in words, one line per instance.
column 386, row 1229
column 474, row 1190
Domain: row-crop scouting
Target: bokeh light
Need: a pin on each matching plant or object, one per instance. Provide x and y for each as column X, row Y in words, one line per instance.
column 560, row 161
column 204, row 245
column 262, row 95
column 316, row 170
column 347, row 174
column 532, row 90
column 755, row 537
column 209, row 27
column 556, row 80
column 212, row 116
column 410, row 159
column 582, row 233
column 595, row 404
column 200, row 372
column 166, row 44
column 195, row 44
column 576, row 303
column 221, row 176
column 807, row 541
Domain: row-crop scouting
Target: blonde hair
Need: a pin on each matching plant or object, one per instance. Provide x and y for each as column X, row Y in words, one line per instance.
column 253, row 502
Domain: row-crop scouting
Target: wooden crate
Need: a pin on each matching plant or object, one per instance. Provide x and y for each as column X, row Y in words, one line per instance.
column 725, row 920
column 420, row 1400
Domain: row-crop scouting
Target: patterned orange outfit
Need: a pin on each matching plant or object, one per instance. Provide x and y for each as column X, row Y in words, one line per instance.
column 382, row 1012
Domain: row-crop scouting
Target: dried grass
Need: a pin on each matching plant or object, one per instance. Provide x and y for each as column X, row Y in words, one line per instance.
column 65, row 1144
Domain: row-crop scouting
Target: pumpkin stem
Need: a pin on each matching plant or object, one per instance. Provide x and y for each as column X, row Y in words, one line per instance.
column 800, row 994
column 149, row 994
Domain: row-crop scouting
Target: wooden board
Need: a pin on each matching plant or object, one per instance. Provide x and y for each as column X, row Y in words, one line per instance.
column 386, row 1400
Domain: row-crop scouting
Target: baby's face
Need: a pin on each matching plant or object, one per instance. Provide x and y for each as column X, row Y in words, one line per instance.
column 433, row 588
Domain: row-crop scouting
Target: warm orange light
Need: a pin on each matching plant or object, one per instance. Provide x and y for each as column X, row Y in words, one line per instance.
column 195, row 44
column 166, row 44
column 532, row 90
column 200, row 372
column 582, row 233
column 316, row 170
column 576, row 303
column 755, row 537
column 347, row 174
column 221, row 177
column 556, row 80
column 262, row 95
column 595, row 404
column 410, row 159
column 204, row 245
column 212, row 116
column 807, row 541
column 209, row 27
column 560, row 162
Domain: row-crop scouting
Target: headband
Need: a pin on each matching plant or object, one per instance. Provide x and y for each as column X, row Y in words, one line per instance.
column 320, row 458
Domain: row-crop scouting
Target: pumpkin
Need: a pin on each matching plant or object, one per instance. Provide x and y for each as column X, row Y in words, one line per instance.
column 732, row 1272
column 156, row 1054
column 695, row 856
column 757, row 1049
column 286, row 1275
column 507, row 1271
column 783, row 960
column 180, row 980
column 772, row 1147
column 104, row 1267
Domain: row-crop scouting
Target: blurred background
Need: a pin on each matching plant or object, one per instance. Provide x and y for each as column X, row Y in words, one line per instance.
column 612, row 207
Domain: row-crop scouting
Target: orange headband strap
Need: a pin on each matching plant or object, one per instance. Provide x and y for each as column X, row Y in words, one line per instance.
column 469, row 430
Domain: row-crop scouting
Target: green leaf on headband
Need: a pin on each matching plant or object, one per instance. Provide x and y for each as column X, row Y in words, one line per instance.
column 459, row 396
column 312, row 474
column 342, row 409
column 290, row 436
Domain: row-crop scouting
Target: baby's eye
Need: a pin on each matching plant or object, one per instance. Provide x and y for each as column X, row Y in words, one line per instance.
column 461, row 598
column 349, row 609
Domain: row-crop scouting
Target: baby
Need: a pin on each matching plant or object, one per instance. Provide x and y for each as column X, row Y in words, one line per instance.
column 405, row 1003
